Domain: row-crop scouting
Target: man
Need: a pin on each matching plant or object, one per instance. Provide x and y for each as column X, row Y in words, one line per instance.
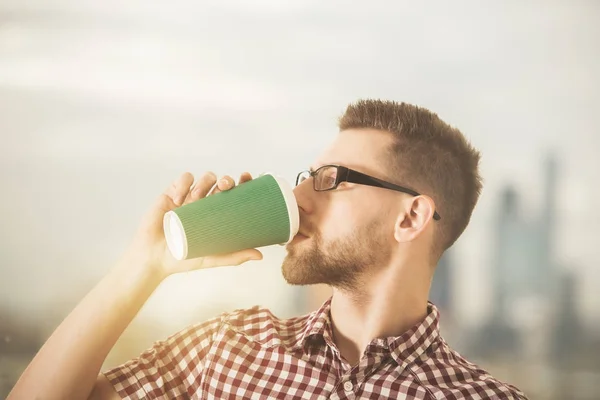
column 378, row 208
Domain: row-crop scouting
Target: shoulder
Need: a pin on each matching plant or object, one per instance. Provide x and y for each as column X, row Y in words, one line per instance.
column 260, row 325
column 449, row 375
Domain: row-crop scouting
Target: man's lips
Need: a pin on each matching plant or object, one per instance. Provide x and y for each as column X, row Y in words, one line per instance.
column 300, row 236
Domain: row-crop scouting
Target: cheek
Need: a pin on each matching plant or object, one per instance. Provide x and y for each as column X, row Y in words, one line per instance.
column 341, row 222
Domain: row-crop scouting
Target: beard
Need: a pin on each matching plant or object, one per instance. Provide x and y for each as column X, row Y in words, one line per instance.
column 340, row 263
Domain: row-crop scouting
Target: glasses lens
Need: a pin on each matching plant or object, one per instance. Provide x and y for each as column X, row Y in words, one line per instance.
column 302, row 176
column 326, row 178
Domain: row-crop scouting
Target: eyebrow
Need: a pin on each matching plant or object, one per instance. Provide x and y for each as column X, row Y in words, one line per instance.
column 312, row 168
column 357, row 168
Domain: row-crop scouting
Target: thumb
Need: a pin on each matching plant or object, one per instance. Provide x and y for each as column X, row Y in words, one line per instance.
column 236, row 258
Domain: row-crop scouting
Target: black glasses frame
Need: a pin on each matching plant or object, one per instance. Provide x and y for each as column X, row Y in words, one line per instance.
column 345, row 174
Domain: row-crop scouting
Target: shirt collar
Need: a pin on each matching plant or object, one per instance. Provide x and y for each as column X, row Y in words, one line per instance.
column 318, row 325
column 404, row 349
column 413, row 343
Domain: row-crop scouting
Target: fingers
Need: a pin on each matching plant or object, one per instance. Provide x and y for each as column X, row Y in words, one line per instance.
column 245, row 177
column 225, row 183
column 182, row 192
column 201, row 188
column 179, row 189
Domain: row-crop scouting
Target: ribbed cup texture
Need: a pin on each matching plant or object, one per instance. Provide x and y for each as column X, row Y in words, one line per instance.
column 253, row 214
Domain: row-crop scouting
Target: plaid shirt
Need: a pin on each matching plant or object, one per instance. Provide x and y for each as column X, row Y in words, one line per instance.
column 251, row 354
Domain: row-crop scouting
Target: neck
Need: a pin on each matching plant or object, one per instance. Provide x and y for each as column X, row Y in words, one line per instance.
column 387, row 304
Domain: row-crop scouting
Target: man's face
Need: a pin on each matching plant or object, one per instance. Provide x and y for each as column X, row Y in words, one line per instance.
column 346, row 233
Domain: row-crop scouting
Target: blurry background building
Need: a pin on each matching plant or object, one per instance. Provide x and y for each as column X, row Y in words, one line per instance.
column 103, row 104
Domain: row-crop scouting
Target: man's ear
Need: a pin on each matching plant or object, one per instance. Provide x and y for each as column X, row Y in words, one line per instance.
column 415, row 215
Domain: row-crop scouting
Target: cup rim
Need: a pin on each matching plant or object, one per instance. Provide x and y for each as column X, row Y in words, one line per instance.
column 291, row 204
column 176, row 238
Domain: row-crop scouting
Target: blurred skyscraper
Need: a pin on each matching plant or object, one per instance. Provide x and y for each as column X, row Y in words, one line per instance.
column 524, row 274
column 535, row 317
column 523, row 262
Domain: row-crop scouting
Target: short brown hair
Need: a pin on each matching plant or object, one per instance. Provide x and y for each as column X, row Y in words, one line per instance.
column 428, row 156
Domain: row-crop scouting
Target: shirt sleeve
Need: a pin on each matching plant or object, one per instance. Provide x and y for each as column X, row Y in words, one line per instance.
column 170, row 368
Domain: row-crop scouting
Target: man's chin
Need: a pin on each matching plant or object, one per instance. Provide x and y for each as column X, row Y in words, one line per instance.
column 299, row 281
column 294, row 271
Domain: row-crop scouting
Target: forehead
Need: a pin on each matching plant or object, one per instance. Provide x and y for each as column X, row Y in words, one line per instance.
column 361, row 149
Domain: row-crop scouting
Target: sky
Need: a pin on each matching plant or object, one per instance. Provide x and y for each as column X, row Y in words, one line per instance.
column 102, row 104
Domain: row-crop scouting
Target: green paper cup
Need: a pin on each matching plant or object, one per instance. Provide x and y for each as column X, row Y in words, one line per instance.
column 257, row 213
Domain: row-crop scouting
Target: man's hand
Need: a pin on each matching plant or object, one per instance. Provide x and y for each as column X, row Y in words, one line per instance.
column 149, row 246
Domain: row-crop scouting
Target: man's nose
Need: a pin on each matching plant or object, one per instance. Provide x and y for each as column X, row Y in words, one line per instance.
column 304, row 194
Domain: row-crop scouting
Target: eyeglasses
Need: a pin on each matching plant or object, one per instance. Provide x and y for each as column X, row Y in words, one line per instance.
column 328, row 177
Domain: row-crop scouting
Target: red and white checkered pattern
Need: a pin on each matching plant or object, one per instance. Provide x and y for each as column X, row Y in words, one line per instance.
column 251, row 354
